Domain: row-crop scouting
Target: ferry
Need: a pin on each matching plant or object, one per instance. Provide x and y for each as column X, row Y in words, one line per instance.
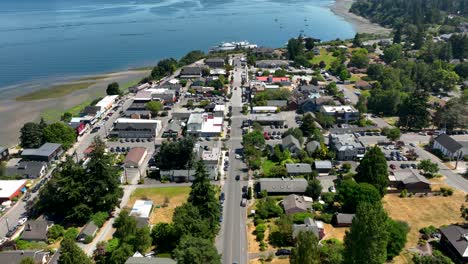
column 233, row 45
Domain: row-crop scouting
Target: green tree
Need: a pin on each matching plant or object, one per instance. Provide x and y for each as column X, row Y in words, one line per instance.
column 31, row 135
column 314, row 189
column 60, row 133
column 66, row 117
column 306, row 249
column 268, row 208
column 351, row 194
column 397, row 231
column 393, row 133
column 99, row 218
column 282, row 235
column 55, row 232
column 142, row 240
column 309, row 43
column 392, row 53
column 164, row 237
column 70, row 253
column 121, row 254
column 325, row 120
column 176, row 154
column 331, row 251
column 308, row 126
column 367, row 239
column 295, row 132
column 195, row 250
column 428, row 166
column 359, row 59
column 113, row 89
column 373, row 170
column 295, row 48
column 397, row 35
column 188, row 220
column 191, row 57
column 126, row 227
column 331, row 89
column 413, row 111
column 164, row 67
column 357, row 43
column 154, row 107
column 254, row 138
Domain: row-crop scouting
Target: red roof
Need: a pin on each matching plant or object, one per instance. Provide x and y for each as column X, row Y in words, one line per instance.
column 272, row 79
column 135, row 155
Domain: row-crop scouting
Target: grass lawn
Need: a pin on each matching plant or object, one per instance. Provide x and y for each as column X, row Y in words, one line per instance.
column 54, row 114
column 420, row 212
column 267, row 165
column 54, row 91
column 391, row 120
column 324, row 56
column 176, row 195
column 283, row 260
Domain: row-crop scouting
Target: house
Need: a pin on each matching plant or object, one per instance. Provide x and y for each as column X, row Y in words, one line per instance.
column 89, row 230
column 292, row 144
column 346, row 146
column 268, row 119
column 135, row 157
column 136, row 128
column 36, row 230
column 15, row 256
column 297, row 204
column 204, row 125
column 448, row 146
column 165, row 96
column 342, row 113
column 363, row 85
column 10, row 189
column 283, row 186
column 190, row 72
column 47, row 153
column 455, row 241
column 270, row 64
column 264, row 109
column 296, row 169
column 179, row 175
column 25, row 169
column 310, row 225
column 142, row 211
column 323, row 166
column 152, row 260
column 173, row 129
column 277, row 103
column 4, row 153
column 409, row 179
column 309, row 89
column 215, row 62
column 314, row 103
column 342, row 220
column 312, row 146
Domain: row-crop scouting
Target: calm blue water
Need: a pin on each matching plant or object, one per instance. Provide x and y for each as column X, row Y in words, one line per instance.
column 43, row 39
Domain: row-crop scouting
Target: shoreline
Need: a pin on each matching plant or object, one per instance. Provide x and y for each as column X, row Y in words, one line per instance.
column 360, row 24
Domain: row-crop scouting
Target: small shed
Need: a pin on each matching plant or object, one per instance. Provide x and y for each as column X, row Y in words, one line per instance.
column 343, row 220
column 323, row 166
column 89, row 230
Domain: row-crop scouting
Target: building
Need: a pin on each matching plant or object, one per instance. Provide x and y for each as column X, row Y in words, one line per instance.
column 10, row 189
column 215, row 62
column 107, row 102
column 297, row 204
column 310, row 225
column 278, row 103
column 312, row 146
column 135, row 157
column 152, row 260
column 92, row 111
column 204, row 125
column 4, row 153
column 313, row 104
column 448, row 146
column 342, row 220
column 15, row 256
column 268, row 119
column 173, row 129
column 143, row 96
column 142, row 211
column 179, row 175
column 136, row 128
column 264, row 109
column 363, row 85
column 346, row 146
column 79, row 126
column 218, row 110
column 26, row 169
column 454, row 241
column 139, row 87
column 342, row 113
column 410, row 179
column 272, row 79
column 190, row 72
column 211, row 160
column 296, row 169
column 88, row 231
column 137, row 111
column 47, row 153
column 323, row 166
column 36, row 230
column 271, row 64
column 292, row 144
column 283, row 186
column 165, row 96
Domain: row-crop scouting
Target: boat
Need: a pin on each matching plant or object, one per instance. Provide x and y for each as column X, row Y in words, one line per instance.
column 233, row 45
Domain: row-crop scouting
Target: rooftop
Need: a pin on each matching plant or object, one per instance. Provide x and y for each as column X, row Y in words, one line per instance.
column 135, row 155
column 279, row 185
column 107, row 100
column 341, row 108
column 298, row 168
column 408, row 176
column 211, row 155
column 343, row 142
column 9, row 187
column 45, row 150
column 142, row 208
column 448, row 142
column 457, row 236
column 323, row 164
column 133, row 121
column 295, row 201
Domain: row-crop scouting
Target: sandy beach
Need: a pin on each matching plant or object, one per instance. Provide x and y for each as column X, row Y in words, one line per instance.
column 13, row 113
column 360, row 24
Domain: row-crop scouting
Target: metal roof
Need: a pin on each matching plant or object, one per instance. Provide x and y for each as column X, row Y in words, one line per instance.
column 278, row 185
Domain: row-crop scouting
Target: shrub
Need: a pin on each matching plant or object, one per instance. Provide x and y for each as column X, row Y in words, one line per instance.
column 324, row 217
column 317, row 206
column 328, row 197
column 446, row 191
column 260, row 236
column 403, row 193
column 263, row 245
column 88, row 239
column 427, row 231
column 298, row 218
column 99, row 218
column 71, row 233
column 55, row 232
column 260, row 228
column 258, row 221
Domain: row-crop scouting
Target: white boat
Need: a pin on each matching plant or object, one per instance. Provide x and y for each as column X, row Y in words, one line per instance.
column 233, row 45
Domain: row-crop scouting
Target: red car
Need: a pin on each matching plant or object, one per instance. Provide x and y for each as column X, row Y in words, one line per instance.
column 392, row 166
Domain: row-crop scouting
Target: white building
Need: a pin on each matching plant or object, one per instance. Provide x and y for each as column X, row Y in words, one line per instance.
column 218, row 111
column 107, row 102
column 342, row 113
column 264, row 109
column 211, row 160
column 204, row 125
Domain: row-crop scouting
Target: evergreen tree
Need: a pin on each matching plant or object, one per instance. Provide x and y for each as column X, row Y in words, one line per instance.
column 195, row 250
column 397, row 35
column 413, row 111
column 31, row 135
column 60, row 133
column 308, row 126
column 366, row 241
column 357, row 43
column 373, row 170
column 113, row 89
column 306, row 249
column 70, row 253
column 397, row 237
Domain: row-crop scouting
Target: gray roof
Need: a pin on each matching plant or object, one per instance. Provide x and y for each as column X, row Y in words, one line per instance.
column 289, row 141
column 323, row 164
column 45, row 150
column 295, row 201
column 455, row 236
column 344, row 218
column 267, row 117
column 15, row 257
column 298, row 168
column 89, row 229
column 35, row 230
column 309, row 225
column 190, row 71
column 410, row 176
column 30, row 169
column 173, row 126
column 214, row 60
column 143, row 260
column 448, row 142
column 279, row 103
column 278, row 185
column 343, row 142
column 309, row 88
column 312, row 146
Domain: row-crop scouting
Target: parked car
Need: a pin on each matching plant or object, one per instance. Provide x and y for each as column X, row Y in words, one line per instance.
column 412, row 145
column 237, row 177
column 22, row 221
column 238, row 156
column 392, row 166
column 283, row 252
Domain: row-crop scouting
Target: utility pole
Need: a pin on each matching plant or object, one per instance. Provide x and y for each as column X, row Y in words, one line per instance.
column 8, row 226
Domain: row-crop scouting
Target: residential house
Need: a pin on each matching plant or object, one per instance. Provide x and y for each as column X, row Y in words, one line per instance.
column 409, row 179
column 312, row 146
column 346, row 146
column 283, row 186
column 151, row 260
column 314, row 103
column 178, row 175
column 190, row 72
column 292, row 144
column 9, row 189
column 342, row 113
column 323, row 166
column 173, row 129
column 135, row 157
column 48, row 152
column 25, row 169
column 297, row 204
column 15, row 256
column 270, row 64
column 342, row 220
column 448, row 146
column 296, row 169
column 4, row 153
column 277, row 103
column 136, row 128
column 215, row 62
column 36, row 230
column 363, row 85
column 142, row 211
column 264, row 109
column 454, row 241
column 310, row 225
column 88, row 231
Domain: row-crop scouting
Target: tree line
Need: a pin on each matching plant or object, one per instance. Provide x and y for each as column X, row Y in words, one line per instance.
column 34, row 135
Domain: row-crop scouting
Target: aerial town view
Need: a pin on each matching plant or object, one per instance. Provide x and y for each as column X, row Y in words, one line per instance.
column 234, row 132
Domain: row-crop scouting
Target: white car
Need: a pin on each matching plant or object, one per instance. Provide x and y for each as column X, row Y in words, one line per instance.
column 22, row 221
column 238, row 156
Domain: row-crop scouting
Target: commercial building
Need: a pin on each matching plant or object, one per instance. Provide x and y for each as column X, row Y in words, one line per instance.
column 47, row 153
column 136, row 128
column 218, row 110
column 215, row 62
column 135, row 157
column 190, row 72
column 179, row 175
column 448, row 146
column 264, row 109
column 346, row 146
column 282, row 186
column 204, row 125
column 272, row 79
column 211, row 160
column 165, row 96
column 268, row 119
column 269, row 64
column 139, row 87
column 173, row 129
column 10, row 189
column 107, row 102
column 342, row 113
